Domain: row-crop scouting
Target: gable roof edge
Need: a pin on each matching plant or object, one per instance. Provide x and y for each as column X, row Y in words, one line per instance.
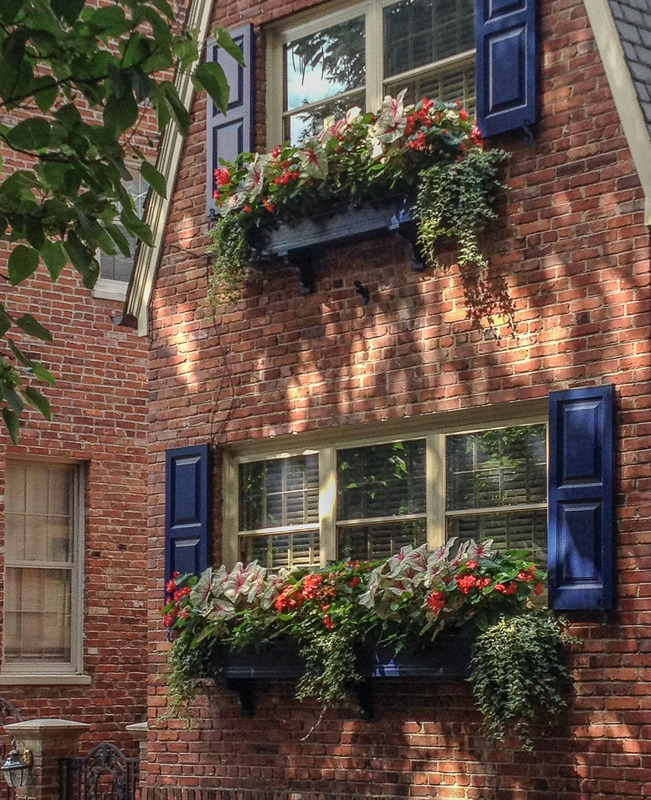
column 626, row 99
column 136, row 305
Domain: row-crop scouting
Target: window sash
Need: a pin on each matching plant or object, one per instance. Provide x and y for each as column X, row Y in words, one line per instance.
column 376, row 82
column 435, row 516
column 33, row 665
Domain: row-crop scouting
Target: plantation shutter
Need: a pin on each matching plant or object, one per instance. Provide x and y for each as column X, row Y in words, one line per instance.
column 231, row 134
column 581, row 498
column 506, row 65
column 188, row 506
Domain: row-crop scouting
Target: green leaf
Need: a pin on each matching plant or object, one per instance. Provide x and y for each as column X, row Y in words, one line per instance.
column 11, row 423
column 30, row 134
column 33, row 327
column 154, row 178
column 120, row 114
column 37, row 401
column 11, row 397
column 119, row 238
column 43, row 373
column 54, row 256
column 225, row 41
column 45, row 94
column 211, row 77
column 19, row 355
column 22, row 262
column 9, row 9
column 67, row 10
column 164, row 7
column 136, row 226
column 5, row 321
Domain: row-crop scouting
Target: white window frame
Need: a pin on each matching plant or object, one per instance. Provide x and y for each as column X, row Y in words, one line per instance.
column 33, row 671
column 326, row 445
column 277, row 36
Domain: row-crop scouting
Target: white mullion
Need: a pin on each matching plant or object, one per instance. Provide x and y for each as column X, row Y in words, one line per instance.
column 230, row 511
column 327, row 504
column 77, row 579
column 374, row 57
column 435, row 483
column 351, row 523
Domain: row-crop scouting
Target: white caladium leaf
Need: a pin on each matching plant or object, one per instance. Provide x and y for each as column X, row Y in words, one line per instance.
column 314, row 160
column 202, row 589
column 392, row 121
column 254, row 181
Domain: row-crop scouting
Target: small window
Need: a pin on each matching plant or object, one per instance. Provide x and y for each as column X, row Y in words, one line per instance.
column 357, row 55
column 43, row 562
column 119, row 266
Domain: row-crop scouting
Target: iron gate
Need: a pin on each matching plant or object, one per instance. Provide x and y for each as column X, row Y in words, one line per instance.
column 105, row 774
column 8, row 713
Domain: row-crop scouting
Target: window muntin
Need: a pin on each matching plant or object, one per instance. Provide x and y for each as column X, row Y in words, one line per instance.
column 42, row 566
column 357, row 55
column 497, row 487
column 368, row 500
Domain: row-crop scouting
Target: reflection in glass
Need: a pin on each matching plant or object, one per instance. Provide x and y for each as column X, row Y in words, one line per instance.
column 370, row 542
column 418, row 32
column 325, row 63
column 516, row 531
column 303, row 124
column 279, row 493
column 283, row 550
column 449, row 85
column 385, row 480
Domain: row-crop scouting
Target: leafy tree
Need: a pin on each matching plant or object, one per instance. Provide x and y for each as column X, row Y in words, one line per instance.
column 74, row 79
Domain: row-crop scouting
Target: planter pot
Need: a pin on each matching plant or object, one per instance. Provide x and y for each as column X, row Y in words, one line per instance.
column 448, row 658
column 298, row 241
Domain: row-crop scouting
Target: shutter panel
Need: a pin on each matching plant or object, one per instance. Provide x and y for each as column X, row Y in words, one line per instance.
column 506, row 65
column 230, row 135
column 581, row 498
column 188, row 507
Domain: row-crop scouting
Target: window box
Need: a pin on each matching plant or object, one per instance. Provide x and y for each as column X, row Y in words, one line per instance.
column 448, row 659
column 298, row 241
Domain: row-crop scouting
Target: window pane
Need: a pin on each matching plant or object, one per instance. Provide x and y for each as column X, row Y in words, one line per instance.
column 419, row 32
column 37, row 614
column 370, row 542
column 449, row 85
column 503, row 467
column 279, row 493
column 38, row 524
column 509, row 530
column 325, row 63
column 302, row 125
column 285, row 550
column 386, row 480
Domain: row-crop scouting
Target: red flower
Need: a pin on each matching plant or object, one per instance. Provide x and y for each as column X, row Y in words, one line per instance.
column 463, row 115
column 472, row 564
column 436, row 601
column 268, row 204
column 466, row 583
column 483, row 583
column 247, row 209
column 355, row 581
column 419, row 142
column 500, row 587
column 169, row 620
column 329, row 622
column 538, row 589
column 222, row 176
column 170, row 586
column 525, row 576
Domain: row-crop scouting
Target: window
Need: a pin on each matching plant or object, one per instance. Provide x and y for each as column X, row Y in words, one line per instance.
column 43, row 563
column 357, row 55
column 115, row 271
column 366, row 500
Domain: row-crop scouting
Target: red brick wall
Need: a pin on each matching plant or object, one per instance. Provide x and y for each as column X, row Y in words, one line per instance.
column 573, row 250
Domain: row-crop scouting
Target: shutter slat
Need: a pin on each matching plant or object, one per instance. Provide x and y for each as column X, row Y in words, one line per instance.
column 188, row 506
column 231, row 134
column 506, row 65
column 581, row 498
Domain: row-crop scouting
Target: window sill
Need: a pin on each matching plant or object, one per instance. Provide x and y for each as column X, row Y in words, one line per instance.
column 107, row 289
column 54, row 679
column 297, row 242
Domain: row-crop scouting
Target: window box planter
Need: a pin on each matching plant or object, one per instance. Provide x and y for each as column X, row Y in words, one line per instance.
column 298, row 241
column 448, row 659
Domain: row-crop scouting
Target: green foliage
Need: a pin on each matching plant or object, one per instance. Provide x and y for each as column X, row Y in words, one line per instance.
column 457, row 201
column 518, row 674
column 233, row 262
column 57, row 57
column 401, row 602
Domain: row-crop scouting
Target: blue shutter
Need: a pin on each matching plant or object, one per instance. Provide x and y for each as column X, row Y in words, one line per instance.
column 230, row 135
column 581, row 498
column 188, row 507
column 506, row 65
